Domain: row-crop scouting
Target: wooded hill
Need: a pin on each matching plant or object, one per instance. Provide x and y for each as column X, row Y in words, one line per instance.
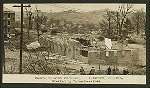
column 91, row 16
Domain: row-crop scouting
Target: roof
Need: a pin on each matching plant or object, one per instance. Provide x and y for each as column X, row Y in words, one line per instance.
column 6, row 10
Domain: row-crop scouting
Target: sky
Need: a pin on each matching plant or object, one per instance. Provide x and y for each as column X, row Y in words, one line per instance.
column 80, row 7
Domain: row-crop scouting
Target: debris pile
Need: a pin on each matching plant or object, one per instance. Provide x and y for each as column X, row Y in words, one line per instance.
column 33, row 45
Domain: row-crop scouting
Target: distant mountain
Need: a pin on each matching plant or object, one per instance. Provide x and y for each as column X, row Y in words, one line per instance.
column 91, row 16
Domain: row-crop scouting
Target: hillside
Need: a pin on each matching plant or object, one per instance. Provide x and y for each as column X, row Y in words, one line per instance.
column 91, row 16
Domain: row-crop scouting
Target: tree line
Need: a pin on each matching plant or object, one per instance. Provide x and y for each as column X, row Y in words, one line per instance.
column 123, row 19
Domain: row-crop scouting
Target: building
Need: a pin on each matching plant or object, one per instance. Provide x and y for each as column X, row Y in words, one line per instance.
column 9, row 20
column 74, row 50
column 114, row 57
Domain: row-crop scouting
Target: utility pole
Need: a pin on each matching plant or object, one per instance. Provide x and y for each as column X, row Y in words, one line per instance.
column 21, row 36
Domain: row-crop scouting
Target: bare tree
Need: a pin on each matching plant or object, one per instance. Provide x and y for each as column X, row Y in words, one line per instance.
column 123, row 11
column 139, row 20
column 129, row 26
column 29, row 16
column 38, row 22
column 107, row 24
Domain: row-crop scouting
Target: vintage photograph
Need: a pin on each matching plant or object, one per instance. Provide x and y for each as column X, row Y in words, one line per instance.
column 74, row 39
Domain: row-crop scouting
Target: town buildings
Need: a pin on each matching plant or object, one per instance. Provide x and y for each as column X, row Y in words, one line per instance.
column 9, row 20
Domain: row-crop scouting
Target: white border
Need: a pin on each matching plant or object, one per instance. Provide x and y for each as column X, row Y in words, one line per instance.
column 75, row 79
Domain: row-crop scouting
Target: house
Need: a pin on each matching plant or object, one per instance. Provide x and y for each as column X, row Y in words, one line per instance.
column 9, row 20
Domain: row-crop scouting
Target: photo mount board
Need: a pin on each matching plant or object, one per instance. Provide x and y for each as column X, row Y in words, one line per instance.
column 5, row 85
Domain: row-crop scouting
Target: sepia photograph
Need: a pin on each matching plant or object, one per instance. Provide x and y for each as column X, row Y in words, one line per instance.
column 74, row 40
